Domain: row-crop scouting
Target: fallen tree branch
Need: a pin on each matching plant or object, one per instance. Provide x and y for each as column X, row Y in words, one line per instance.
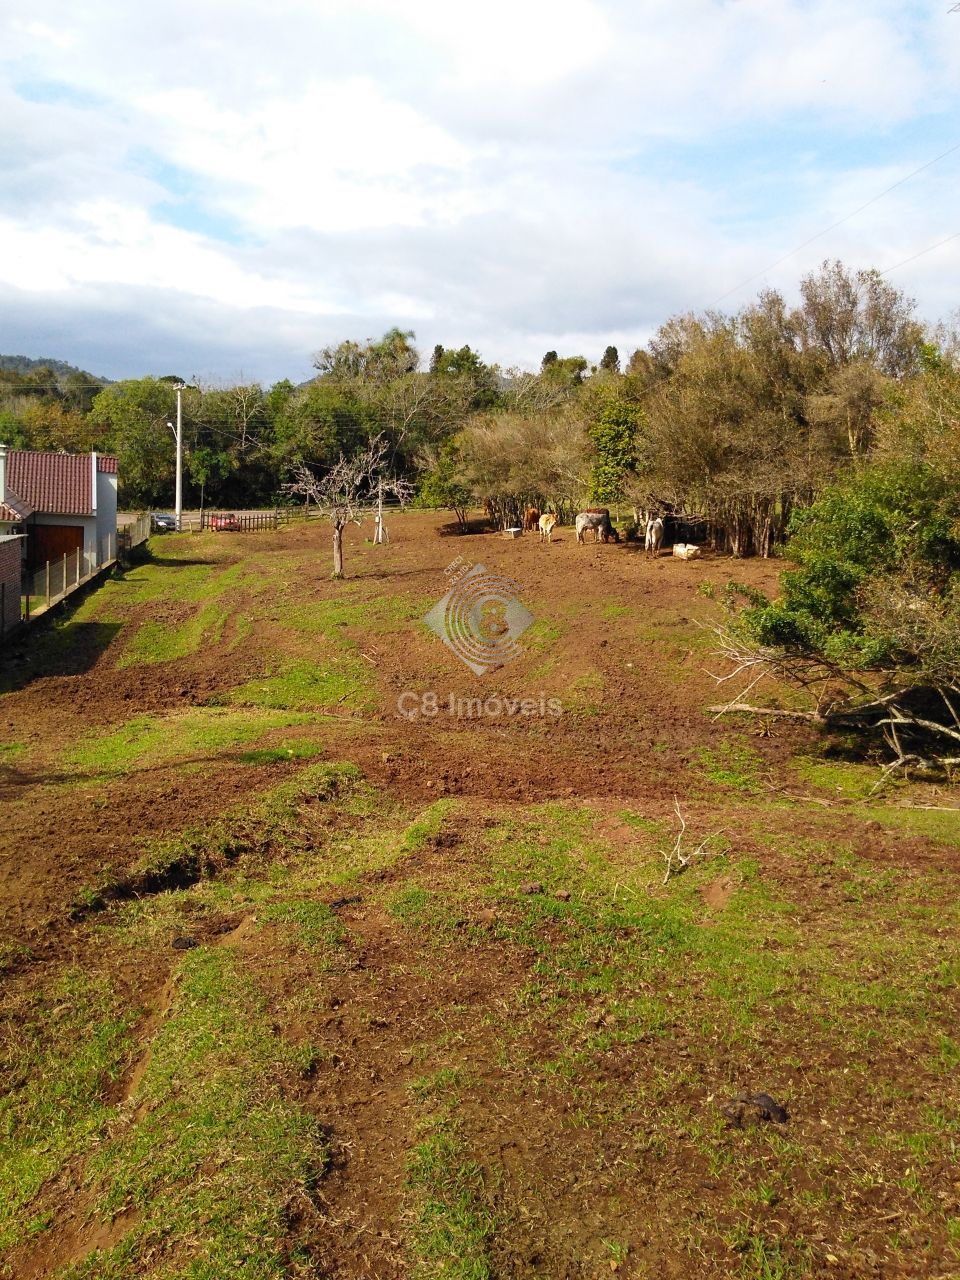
column 916, row 720
column 765, row 711
column 676, row 860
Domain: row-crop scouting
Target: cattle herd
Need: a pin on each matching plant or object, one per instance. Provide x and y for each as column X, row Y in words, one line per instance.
column 598, row 520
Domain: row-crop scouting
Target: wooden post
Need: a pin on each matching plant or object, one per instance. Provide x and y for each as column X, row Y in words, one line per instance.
column 48, row 584
column 380, row 535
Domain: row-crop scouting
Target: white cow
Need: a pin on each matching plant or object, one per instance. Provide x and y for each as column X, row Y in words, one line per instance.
column 654, row 538
column 597, row 519
column 545, row 525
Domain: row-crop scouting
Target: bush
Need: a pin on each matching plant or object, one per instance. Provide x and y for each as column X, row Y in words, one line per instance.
column 885, row 541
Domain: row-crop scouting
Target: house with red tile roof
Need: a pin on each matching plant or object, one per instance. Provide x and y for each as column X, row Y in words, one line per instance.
column 62, row 502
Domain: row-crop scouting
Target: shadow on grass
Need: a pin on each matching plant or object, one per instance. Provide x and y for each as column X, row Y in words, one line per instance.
column 174, row 562
column 52, row 647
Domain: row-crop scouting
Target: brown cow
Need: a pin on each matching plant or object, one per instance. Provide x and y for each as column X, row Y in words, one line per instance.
column 531, row 517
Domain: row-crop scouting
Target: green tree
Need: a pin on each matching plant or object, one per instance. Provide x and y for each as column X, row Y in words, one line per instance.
column 610, row 360
column 49, row 425
column 465, row 366
column 872, row 610
column 614, row 435
column 133, row 416
column 392, row 357
column 318, row 422
column 443, row 486
column 568, row 370
column 847, row 317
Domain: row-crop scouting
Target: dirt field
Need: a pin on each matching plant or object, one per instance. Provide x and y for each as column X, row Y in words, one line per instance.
column 302, row 979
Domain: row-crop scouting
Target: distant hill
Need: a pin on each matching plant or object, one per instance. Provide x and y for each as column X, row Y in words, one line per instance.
column 25, row 364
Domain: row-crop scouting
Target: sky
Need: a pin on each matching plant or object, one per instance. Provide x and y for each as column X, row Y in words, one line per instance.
column 219, row 190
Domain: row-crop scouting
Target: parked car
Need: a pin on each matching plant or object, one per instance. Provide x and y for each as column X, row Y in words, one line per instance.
column 163, row 522
column 223, row 521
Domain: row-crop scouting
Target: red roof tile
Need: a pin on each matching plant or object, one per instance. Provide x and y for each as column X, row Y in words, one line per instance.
column 60, row 483
column 106, row 464
column 13, row 509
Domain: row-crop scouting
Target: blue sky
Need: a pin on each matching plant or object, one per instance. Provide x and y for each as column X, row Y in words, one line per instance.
column 222, row 189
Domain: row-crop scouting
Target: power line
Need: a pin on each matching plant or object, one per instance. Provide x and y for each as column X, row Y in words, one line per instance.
column 840, row 221
column 929, row 249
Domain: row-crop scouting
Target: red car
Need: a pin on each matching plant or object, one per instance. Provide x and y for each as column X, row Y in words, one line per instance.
column 222, row 522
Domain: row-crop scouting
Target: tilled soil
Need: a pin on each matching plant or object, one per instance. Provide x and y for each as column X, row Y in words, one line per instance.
column 622, row 641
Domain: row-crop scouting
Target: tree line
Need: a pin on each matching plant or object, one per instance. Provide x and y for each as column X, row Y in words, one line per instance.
column 741, row 419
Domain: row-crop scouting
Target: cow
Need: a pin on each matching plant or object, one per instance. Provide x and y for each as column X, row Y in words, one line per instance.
column 597, row 519
column 531, row 518
column 545, row 524
column 654, row 538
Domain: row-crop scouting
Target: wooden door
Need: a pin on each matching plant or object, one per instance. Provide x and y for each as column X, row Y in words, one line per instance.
column 53, row 542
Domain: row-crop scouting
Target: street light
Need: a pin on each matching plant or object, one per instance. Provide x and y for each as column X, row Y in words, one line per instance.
column 177, row 430
column 178, row 507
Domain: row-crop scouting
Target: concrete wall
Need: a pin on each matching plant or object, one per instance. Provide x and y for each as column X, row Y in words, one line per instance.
column 10, row 578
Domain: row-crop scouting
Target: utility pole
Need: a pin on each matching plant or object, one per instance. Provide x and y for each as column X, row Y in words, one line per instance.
column 178, row 504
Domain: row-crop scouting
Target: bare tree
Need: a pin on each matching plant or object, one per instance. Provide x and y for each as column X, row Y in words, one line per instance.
column 351, row 489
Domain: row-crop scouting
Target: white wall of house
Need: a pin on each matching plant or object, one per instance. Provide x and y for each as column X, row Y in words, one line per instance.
column 106, row 506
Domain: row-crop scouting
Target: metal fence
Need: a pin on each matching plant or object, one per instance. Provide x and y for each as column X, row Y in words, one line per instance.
column 132, row 535
column 41, row 588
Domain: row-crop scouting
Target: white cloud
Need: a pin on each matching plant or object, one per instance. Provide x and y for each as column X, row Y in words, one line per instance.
column 575, row 168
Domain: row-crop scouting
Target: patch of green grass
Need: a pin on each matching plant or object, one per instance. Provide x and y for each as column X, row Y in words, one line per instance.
column 294, row 749
column 764, row 1259
column 151, row 582
column 541, row 635
column 614, row 612
column 733, row 765
column 298, row 685
column 427, row 825
column 13, row 954
column 851, row 781
column 616, row 1251
column 453, row 1226
column 335, row 616
column 215, row 1148
column 70, row 1041
column 935, row 824
column 948, row 1054
column 430, row 1087
column 423, row 909
column 183, row 736
column 651, row 826
column 313, row 924
column 10, row 751
column 280, row 843
column 161, row 642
